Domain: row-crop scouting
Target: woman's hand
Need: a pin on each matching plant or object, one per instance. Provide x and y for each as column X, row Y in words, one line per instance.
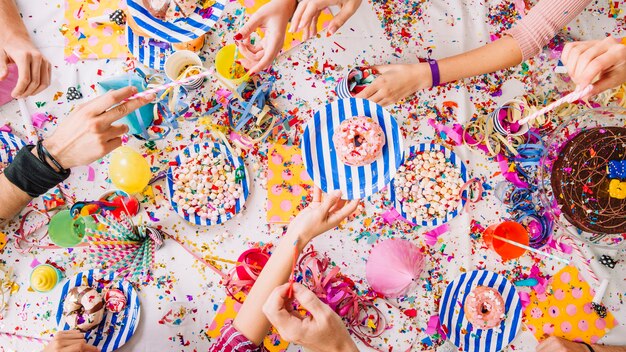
column 321, row 216
column 69, row 341
column 308, row 12
column 272, row 18
column 602, row 59
column 396, row 82
column 321, row 331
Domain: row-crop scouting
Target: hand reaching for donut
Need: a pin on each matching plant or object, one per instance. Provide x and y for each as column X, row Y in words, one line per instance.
column 69, row 341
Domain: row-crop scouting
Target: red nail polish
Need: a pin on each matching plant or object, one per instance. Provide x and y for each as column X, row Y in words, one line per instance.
column 238, row 36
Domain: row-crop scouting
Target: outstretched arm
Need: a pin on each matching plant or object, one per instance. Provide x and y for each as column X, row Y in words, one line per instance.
column 317, row 218
column 87, row 134
column 524, row 40
column 397, row 82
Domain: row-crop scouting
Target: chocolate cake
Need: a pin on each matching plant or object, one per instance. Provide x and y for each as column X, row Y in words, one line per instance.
column 580, row 180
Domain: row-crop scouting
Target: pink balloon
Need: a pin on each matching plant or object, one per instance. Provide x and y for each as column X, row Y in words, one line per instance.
column 393, row 267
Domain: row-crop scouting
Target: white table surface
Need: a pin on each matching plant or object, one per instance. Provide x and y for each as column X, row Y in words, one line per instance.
column 446, row 27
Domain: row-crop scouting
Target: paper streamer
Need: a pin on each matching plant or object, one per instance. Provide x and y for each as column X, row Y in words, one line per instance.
column 172, row 84
column 578, row 253
column 571, row 97
column 24, row 337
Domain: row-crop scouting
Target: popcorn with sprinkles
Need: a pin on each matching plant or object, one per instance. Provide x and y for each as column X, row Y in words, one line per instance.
column 206, row 184
column 429, row 185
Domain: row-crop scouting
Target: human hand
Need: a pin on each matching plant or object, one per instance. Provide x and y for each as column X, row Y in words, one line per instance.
column 396, row 82
column 69, row 341
column 321, row 330
column 604, row 59
column 321, row 216
column 272, row 18
column 33, row 68
column 557, row 344
column 87, row 134
column 308, row 12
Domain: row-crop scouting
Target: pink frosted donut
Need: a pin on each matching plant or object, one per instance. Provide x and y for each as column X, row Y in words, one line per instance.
column 359, row 141
column 484, row 307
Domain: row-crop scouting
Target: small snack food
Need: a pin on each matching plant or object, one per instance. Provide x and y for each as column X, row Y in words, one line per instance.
column 428, row 186
column 206, row 185
column 83, row 308
column 115, row 300
column 484, row 307
column 359, row 141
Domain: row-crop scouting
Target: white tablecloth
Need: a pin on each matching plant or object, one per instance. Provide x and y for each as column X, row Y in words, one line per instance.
column 443, row 27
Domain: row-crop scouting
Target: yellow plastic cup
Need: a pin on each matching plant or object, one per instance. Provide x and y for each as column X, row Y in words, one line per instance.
column 224, row 61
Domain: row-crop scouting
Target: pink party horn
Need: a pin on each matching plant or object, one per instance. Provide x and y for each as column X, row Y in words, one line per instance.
column 571, row 97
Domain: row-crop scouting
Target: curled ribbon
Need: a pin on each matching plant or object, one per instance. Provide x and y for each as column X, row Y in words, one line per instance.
column 392, row 215
column 363, row 318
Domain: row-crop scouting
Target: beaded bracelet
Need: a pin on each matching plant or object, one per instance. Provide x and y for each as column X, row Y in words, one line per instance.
column 44, row 155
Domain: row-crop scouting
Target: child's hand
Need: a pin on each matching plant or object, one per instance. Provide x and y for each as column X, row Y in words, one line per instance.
column 605, row 59
column 272, row 18
column 308, row 12
column 396, row 82
column 69, row 341
column 321, row 216
column 323, row 330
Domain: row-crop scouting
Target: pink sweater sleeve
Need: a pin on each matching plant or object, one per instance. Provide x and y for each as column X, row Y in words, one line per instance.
column 542, row 23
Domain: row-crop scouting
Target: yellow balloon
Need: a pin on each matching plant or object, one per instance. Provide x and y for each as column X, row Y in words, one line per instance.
column 128, row 170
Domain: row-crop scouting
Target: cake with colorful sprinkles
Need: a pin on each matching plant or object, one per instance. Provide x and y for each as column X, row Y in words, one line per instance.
column 589, row 180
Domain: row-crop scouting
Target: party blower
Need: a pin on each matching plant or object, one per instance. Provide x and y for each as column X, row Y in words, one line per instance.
column 510, row 240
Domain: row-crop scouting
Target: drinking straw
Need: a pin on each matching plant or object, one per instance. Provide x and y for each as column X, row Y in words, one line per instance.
column 531, row 249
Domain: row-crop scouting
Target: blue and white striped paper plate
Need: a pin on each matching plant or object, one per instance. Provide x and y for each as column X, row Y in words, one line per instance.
column 461, row 332
column 180, row 30
column 10, row 144
column 452, row 158
column 325, row 168
column 116, row 328
column 149, row 55
column 235, row 163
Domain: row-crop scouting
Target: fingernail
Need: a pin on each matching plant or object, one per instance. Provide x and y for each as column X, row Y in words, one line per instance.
column 150, row 97
column 238, row 36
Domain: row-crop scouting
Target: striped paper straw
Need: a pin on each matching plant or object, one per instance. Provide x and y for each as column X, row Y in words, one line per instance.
column 582, row 259
column 571, row 97
column 531, row 249
column 169, row 85
column 24, row 337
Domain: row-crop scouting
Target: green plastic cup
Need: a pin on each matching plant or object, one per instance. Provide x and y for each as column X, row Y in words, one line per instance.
column 62, row 230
